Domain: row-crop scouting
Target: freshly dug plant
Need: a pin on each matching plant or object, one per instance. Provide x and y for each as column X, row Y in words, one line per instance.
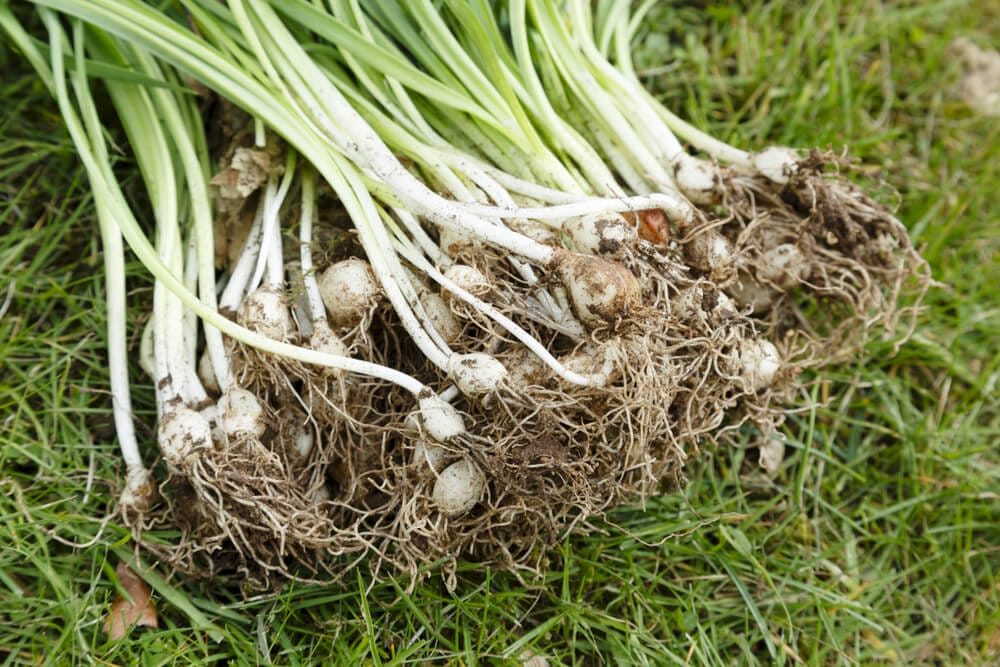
column 541, row 305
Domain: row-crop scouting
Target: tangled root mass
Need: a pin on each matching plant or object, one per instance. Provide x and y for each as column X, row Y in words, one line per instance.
column 345, row 473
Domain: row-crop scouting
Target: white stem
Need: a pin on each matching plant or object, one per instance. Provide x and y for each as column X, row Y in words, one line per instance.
column 121, row 399
column 203, row 233
column 114, row 257
column 181, row 373
column 275, row 254
column 533, row 93
column 417, row 233
column 673, row 204
column 635, row 181
column 93, row 153
column 626, row 96
column 372, row 234
column 350, row 133
column 590, row 92
column 190, row 319
column 720, row 150
column 269, row 228
column 529, row 189
column 395, row 283
column 239, row 278
column 313, row 300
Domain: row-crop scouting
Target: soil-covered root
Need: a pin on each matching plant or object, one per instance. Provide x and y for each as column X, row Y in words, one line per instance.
column 241, row 509
column 554, row 454
column 818, row 257
column 342, row 473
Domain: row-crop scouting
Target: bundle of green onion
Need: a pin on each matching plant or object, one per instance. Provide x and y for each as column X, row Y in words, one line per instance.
column 439, row 279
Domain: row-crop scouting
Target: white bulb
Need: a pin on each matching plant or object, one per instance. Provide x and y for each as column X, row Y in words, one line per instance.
column 776, row 163
column 760, row 361
column 709, row 251
column 441, row 317
column 303, row 441
column 697, row 179
column 429, row 454
column 147, row 358
column 459, row 487
column 454, row 241
column 349, row 290
column 784, row 265
column 749, row 294
column 211, row 413
column 476, row 374
column 139, row 491
column 241, row 412
column 589, row 362
column 534, row 231
column 600, row 233
column 324, row 340
column 181, row 433
column 264, row 311
column 600, row 291
column 468, row 278
column 441, row 420
column 206, row 373
column 321, row 494
column 526, row 369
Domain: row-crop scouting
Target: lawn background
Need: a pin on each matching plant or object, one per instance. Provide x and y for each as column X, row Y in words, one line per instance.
column 878, row 543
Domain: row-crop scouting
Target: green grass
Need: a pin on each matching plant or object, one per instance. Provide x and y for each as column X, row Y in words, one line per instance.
column 879, row 543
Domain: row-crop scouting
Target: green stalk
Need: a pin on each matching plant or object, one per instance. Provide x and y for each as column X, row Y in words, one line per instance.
column 138, row 486
column 111, row 202
column 589, row 92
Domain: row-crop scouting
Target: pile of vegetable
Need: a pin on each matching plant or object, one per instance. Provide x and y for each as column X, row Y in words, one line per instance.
column 439, row 280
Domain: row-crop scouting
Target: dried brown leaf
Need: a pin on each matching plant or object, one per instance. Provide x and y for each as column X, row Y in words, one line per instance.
column 124, row 612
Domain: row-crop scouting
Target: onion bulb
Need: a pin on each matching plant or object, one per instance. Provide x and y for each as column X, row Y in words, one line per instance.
column 324, row 340
column 694, row 301
column 349, row 290
column 784, row 265
column 265, row 311
column 429, row 453
column 241, row 412
column 206, row 373
column 440, row 316
column 321, row 494
column 303, row 441
column 526, row 369
column 469, row 278
column 534, row 231
column 600, row 233
column 600, row 291
column 454, row 241
column 697, row 179
column 476, row 374
column 749, row 294
column 147, row 358
column 459, row 487
column 440, row 419
column 776, row 163
column 590, row 361
column 139, row 491
column 182, row 432
column 709, row 251
column 760, row 362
